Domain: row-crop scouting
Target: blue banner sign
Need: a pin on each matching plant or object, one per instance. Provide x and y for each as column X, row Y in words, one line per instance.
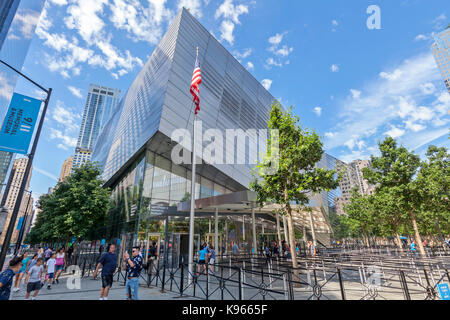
column 19, row 224
column 444, row 291
column 18, row 126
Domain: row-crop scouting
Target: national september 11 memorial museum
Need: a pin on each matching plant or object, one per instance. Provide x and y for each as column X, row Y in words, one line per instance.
column 134, row 149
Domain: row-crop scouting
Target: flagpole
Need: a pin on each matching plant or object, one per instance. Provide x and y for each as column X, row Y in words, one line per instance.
column 192, row 214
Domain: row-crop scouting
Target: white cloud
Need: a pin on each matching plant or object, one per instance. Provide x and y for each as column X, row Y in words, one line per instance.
column 75, row 91
column 276, row 39
column 439, row 22
column 6, row 87
column 26, row 21
column 428, row 88
column 356, row 94
column 250, row 66
column 395, row 132
column 284, row 51
column 334, row 68
column 84, row 17
column 230, row 11
column 401, row 102
column 318, row 111
column 226, row 30
column 266, row 83
column 421, row 37
column 65, row 117
column 45, row 173
column 66, row 141
column 242, row 55
column 273, row 62
column 334, row 23
column 230, row 14
column 194, row 7
column 141, row 23
column 59, row 2
column 329, row 134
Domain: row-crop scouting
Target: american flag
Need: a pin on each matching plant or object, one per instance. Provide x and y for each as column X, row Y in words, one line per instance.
column 196, row 80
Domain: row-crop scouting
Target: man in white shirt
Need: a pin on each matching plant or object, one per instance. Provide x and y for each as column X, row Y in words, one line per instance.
column 51, row 270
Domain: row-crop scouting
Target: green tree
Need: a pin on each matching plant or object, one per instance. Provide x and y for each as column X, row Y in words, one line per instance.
column 390, row 214
column 297, row 177
column 433, row 181
column 361, row 209
column 77, row 208
column 393, row 172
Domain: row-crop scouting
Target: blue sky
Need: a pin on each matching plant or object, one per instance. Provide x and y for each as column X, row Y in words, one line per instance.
column 353, row 85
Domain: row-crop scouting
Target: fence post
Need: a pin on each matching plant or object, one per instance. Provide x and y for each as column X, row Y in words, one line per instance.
column 240, row 285
column 341, row 284
column 404, row 285
column 182, row 277
column 207, row 281
column 164, row 276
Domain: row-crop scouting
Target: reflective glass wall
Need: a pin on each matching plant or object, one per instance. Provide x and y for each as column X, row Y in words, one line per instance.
column 146, row 191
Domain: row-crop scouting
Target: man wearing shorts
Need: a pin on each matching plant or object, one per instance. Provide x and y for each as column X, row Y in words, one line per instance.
column 33, row 279
column 108, row 262
column 51, row 263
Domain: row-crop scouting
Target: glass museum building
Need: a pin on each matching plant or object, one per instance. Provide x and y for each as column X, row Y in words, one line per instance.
column 134, row 148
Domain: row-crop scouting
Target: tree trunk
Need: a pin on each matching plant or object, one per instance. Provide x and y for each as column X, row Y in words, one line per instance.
column 416, row 233
column 292, row 243
column 399, row 241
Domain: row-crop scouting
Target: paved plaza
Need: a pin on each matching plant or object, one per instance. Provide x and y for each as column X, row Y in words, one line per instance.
column 90, row 290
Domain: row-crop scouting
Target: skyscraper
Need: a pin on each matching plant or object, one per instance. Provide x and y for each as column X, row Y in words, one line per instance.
column 8, row 9
column 12, row 189
column 353, row 178
column 100, row 104
column 441, row 53
column 66, row 169
column 14, row 45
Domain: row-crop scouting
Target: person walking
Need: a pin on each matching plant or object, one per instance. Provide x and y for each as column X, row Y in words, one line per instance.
column 47, row 254
column 60, row 262
column 235, row 248
column 212, row 259
column 202, row 259
column 40, row 252
column 50, row 270
column 6, row 277
column 33, row 279
column 33, row 261
column 133, row 266
column 69, row 254
column 25, row 263
column 108, row 262
column 413, row 247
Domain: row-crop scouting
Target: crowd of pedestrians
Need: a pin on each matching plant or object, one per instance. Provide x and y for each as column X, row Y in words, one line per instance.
column 43, row 268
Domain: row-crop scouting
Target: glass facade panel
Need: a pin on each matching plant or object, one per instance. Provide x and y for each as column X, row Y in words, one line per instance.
column 161, row 181
column 178, row 184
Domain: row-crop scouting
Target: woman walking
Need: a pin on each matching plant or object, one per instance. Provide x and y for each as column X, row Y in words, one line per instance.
column 60, row 262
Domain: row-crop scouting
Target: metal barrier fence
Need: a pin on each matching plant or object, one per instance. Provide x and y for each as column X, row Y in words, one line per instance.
column 256, row 278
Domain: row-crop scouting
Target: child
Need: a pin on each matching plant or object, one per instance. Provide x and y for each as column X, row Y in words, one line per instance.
column 51, row 270
column 6, row 277
column 33, row 279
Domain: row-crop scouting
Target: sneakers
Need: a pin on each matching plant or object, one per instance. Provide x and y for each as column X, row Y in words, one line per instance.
column 49, row 287
column 33, row 298
column 16, row 289
column 57, row 281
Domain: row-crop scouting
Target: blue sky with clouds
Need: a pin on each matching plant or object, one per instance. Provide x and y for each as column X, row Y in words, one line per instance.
column 353, row 85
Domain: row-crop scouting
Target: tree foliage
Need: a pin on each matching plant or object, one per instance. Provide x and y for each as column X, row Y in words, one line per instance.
column 298, row 151
column 77, row 208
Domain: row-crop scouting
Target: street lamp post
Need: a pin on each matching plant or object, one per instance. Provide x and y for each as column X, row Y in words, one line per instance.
column 23, row 185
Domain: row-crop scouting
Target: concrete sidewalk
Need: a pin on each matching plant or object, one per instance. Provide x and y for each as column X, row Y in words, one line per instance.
column 90, row 290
